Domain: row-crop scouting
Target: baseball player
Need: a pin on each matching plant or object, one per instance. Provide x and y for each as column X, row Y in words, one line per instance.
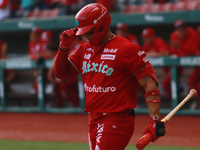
column 34, row 46
column 194, row 80
column 123, row 30
column 111, row 68
column 184, row 41
column 9, row 73
column 155, row 46
column 47, row 39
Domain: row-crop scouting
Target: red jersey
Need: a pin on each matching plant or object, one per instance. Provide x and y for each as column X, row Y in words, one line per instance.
column 110, row 74
column 35, row 48
column 159, row 45
column 44, row 45
column 132, row 38
column 186, row 47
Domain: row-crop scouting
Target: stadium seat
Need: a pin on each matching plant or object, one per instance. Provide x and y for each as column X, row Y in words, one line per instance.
column 198, row 5
column 29, row 14
column 165, row 7
column 142, row 8
column 191, row 5
column 34, row 13
column 130, row 9
column 53, row 13
column 178, row 6
column 43, row 13
column 153, row 8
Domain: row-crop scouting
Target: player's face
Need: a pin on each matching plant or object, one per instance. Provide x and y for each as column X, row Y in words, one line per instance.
column 88, row 35
column 121, row 32
column 148, row 40
column 34, row 37
column 181, row 32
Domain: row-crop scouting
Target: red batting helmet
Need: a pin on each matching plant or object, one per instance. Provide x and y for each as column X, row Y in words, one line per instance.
column 46, row 35
column 148, row 32
column 122, row 26
column 179, row 23
column 93, row 16
column 37, row 30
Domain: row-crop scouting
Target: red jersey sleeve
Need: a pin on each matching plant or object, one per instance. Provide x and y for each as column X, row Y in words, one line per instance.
column 173, row 37
column 146, row 48
column 136, row 62
column 76, row 58
column 175, row 45
column 191, row 45
column 65, row 67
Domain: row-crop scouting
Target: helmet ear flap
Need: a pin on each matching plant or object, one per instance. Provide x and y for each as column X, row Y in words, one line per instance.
column 98, row 27
column 101, row 30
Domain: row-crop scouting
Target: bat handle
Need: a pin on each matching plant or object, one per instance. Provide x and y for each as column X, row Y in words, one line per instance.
column 144, row 141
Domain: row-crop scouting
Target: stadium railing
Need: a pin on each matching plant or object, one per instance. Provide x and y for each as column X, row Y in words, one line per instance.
column 26, row 63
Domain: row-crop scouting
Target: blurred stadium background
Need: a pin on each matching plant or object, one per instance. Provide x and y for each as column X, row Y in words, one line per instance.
column 27, row 84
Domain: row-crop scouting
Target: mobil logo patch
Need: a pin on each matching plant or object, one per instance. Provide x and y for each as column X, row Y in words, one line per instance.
column 107, row 57
column 110, row 50
column 87, row 56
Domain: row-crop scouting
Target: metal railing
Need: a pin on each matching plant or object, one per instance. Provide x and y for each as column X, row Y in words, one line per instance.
column 25, row 63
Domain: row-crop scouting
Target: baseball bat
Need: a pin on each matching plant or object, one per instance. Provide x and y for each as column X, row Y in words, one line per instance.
column 145, row 139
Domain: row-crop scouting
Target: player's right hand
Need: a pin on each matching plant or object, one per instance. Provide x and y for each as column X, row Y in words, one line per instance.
column 67, row 38
column 156, row 128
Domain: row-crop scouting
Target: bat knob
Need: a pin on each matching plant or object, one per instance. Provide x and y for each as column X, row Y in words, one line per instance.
column 144, row 141
column 193, row 92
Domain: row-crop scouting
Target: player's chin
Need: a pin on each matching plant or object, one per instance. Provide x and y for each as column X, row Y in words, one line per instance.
column 88, row 38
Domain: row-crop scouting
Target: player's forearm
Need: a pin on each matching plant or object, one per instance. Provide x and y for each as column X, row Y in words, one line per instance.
column 154, row 108
column 152, row 98
column 61, row 65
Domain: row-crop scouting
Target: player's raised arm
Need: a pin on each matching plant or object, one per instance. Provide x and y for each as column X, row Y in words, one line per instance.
column 152, row 96
column 62, row 66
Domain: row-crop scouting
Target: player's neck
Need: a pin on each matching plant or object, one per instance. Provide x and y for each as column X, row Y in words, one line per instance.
column 107, row 38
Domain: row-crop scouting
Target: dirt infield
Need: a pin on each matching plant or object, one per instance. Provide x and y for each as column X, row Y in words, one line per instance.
column 181, row 130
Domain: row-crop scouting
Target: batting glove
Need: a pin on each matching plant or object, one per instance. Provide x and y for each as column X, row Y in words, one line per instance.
column 67, row 38
column 155, row 127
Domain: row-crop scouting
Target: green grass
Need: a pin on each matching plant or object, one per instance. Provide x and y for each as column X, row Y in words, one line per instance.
column 32, row 145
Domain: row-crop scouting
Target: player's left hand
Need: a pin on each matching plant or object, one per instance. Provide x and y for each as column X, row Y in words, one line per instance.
column 155, row 127
column 67, row 38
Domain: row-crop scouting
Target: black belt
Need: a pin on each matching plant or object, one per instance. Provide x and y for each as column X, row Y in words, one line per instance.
column 131, row 112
